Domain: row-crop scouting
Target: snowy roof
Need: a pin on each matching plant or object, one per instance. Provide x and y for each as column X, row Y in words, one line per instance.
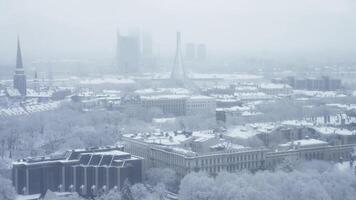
column 168, row 138
column 332, row 130
column 227, row 146
column 164, row 97
column 33, row 93
column 250, row 113
column 28, row 197
column 320, row 94
column 225, row 76
column 242, row 131
column 297, row 123
column 236, row 108
column 149, row 91
column 12, row 92
column 171, row 138
column 201, row 97
column 344, row 106
column 252, row 95
column 274, row 86
column 112, row 152
column 164, row 120
column 26, row 109
column 111, row 80
column 246, row 88
column 304, row 142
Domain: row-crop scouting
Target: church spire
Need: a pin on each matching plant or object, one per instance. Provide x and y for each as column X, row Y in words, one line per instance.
column 19, row 76
column 19, row 64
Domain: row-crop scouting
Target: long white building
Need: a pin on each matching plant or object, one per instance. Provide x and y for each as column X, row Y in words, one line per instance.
column 197, row 151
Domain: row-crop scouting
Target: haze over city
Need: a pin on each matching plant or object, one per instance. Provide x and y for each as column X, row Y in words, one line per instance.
column 85, row 29
column 177, row 100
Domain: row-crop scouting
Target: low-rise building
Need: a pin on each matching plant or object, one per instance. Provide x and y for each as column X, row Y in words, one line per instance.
column 275, row 89
column 180, row 105
column 188, row 152
column 86, row 171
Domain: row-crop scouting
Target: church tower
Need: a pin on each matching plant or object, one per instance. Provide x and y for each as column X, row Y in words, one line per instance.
column 19, row 77
column 36, row 84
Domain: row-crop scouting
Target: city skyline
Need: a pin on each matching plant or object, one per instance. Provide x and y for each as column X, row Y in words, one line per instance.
column 177, row 100
column 300, row 30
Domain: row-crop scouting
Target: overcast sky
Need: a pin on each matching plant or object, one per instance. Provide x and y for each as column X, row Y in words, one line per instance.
column 85, row 29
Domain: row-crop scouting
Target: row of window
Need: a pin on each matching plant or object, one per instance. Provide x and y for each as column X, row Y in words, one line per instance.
column 229, row 159
column 230, row 168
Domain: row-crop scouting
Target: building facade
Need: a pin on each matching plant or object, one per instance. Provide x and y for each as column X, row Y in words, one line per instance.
column 86, row 171
column 324, row 83
column 336, row 153
column 128, row 54
column 180, row 105
column 184, row 161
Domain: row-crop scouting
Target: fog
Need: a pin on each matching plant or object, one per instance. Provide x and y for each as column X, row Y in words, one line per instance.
column 85, row 29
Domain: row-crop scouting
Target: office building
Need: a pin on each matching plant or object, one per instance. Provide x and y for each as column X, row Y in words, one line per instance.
column 180, row 105
column 201, row 52
column 324, row 83
column 128, row 53
column 213, row 152
column 190, row 52
column 186, row 152
column 86, row 171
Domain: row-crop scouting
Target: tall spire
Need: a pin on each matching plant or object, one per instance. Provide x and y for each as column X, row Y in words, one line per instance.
column 178, row 71
column 19, row 76
column 19, row 64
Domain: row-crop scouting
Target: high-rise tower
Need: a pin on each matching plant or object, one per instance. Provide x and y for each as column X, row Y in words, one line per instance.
column 178, row 72
column 128, row 53
column 190, row 51
column 201, row 52
column 19, row 77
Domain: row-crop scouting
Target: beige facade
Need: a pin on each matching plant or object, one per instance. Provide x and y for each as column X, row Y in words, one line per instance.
column 183, row 161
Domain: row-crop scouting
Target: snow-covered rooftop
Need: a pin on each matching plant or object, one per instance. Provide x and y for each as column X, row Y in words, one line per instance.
column 274, row 86
column 319, row 94
column 164, row 97
column 151, row 91
column 333, row 130
column 226, row 76
column 171, row 138
column 26, row 109
column 305, row 143
column 107, row 80
column 242, row 131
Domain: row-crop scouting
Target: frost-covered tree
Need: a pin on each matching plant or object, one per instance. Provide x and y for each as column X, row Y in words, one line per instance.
column 166, row 176
column 141, row 192
column 311, row 181
column 111, row 195
column 197, row 186
column 126, row 193
column 7, row 192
